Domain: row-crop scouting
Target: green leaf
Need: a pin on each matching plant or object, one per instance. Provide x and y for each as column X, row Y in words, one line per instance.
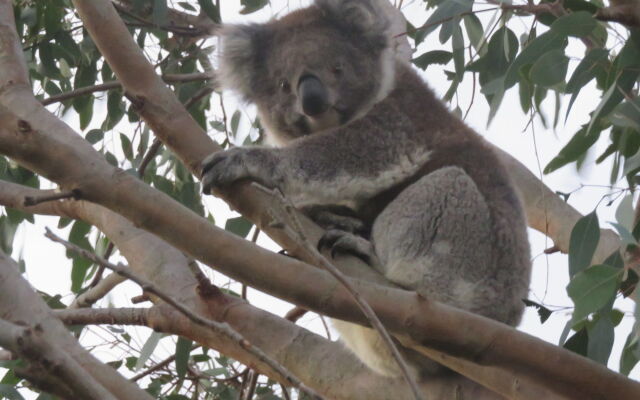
column 53, row 18
column 627, row 114
column 573, row 150
column 592, row 65
column 94, row 136
column 525, row 90
column 183, row 349
column 127, row 148
column 593, row 288
column 79, row 231
column 583, row 242
column 625, row 212
column 430, row 57
column 9, row 392
column 240, row 226
column 601, row 336
column 79, row 268
column 614, row 95
column 578, row 343
column 445, row 12
column 578, row 24
column 160, row 11
column 48, row 62
column 86, row 113
column 543, row 312
column 251, row 6
column 186, row 6
column 473, row 26
column 115, row 110
column 625, row 235
column 457, row 43
column 212, row 11
column 536, row 49
column 631, row 352
column 148, row 348
column 235, row 121
column 550, row 69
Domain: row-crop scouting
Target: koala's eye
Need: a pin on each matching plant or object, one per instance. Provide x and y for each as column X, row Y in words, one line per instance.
column 284, row 86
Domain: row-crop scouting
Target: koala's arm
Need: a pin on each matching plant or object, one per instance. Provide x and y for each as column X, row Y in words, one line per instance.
column 342, row 166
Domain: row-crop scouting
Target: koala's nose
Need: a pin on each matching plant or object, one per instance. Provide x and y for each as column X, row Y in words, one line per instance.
column 313, row 94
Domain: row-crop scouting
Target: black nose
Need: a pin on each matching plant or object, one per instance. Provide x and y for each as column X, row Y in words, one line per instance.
column 314, row 96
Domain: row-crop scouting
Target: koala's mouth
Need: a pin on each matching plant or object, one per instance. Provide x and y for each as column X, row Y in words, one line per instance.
column 331, row 118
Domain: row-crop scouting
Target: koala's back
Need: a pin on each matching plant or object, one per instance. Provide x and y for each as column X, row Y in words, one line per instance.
column 454, row 230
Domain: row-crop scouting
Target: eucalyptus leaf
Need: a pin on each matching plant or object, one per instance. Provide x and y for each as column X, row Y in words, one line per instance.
column 537, row 48
column 550, row 69
column 585, row 236
column 428, row 58
column 183, row 349
column 592, row 288
column 579, row 24
column 148, row 348
column 601, row 337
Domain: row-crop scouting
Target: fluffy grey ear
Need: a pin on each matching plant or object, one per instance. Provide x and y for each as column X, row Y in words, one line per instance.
column 240, row 49
column 364, row 16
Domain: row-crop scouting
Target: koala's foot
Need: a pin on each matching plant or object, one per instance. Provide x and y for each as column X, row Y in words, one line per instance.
column 346, row 242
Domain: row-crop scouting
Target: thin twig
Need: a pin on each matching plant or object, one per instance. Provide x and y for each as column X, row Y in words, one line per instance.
column 168, row 78
column 98, row 276
column 325, row 325
column 217, row 327
column 32, row 200
column 154, row 368
column 153, row 150
column 251, row 388
column 321, row 261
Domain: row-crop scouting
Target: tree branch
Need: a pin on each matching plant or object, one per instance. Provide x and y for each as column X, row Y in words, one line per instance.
column 169, row 78
column 220, row 329
column 105, row 316
column 625, row 12
column 45, row 343
column 432, row 324
column 238, row 260
column 31, row 343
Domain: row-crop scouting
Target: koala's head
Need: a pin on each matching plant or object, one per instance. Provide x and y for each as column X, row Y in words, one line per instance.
column 313, row 69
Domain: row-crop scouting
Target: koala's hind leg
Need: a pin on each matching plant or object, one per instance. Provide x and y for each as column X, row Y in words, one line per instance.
column 436, row 238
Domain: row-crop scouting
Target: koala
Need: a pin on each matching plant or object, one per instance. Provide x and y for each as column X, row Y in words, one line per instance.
column 372, row 154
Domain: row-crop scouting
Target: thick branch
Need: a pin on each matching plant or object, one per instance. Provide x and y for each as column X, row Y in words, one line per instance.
column 432, row 324
column 13, row 195
column 220, row 329
column 235, row 261
column 34, row 345
column 44, row 342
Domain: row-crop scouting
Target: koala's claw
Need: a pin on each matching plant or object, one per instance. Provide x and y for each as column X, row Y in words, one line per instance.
column 345, row 242
column 329, row 220
column 222, row 169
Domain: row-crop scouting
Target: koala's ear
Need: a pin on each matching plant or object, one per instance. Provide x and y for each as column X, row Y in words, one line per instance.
column 240, row 49
column 369, row 17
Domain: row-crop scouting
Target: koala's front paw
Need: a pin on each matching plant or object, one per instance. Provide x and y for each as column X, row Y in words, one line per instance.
column 226, row 167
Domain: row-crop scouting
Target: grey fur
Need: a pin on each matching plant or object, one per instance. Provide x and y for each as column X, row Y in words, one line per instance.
column 440, row 215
